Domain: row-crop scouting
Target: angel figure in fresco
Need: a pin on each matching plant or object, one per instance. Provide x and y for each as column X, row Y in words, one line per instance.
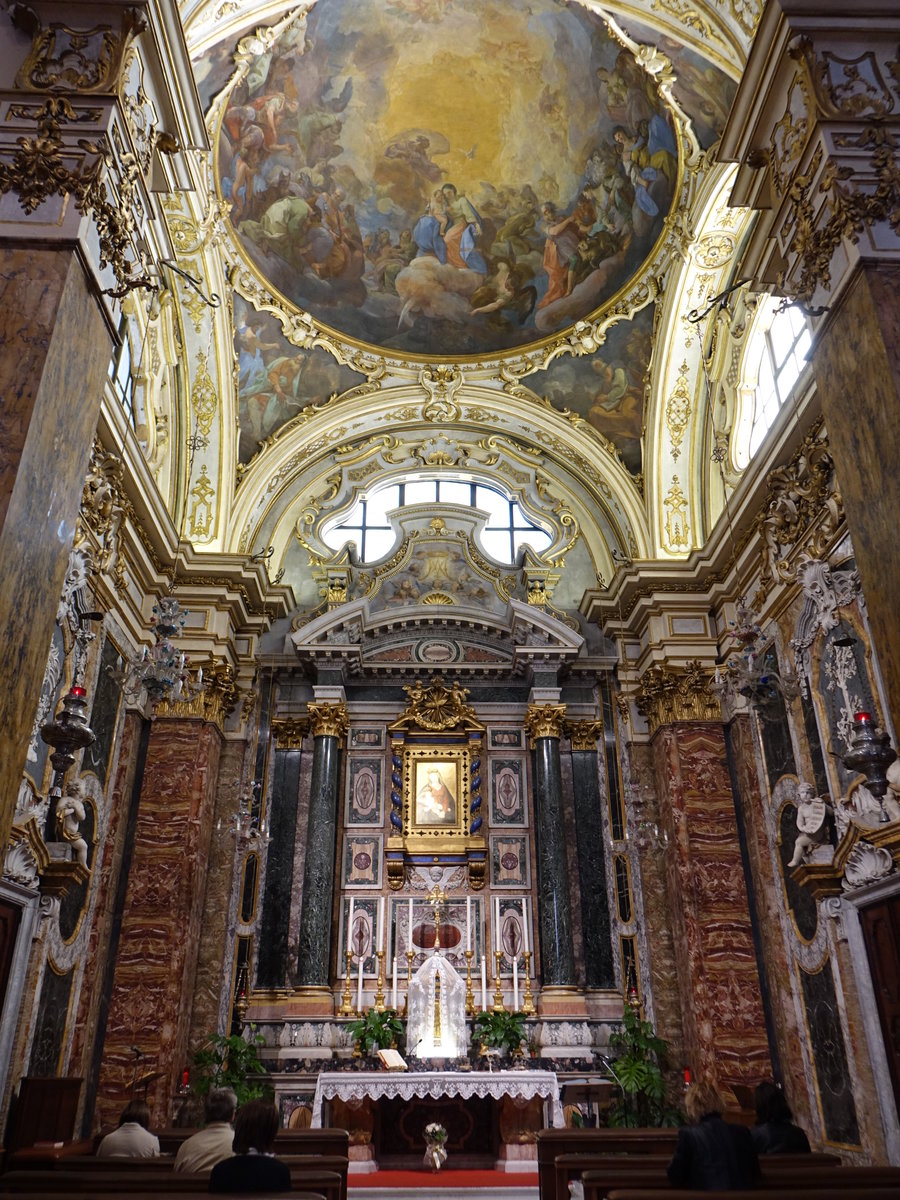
column 435, row 803
column 461, row 228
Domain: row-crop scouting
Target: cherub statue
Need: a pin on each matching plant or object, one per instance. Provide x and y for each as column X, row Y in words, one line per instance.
column 70, row 812
column 811, row 813
column 891, row 800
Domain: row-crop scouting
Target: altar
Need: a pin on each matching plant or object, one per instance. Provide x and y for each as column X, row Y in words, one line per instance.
column 517, row 1090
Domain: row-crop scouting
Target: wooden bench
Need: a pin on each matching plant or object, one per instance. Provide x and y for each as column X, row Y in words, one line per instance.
column 553, row 1142
column 136, row 1180
column 173, row 1195
column 288, row 1141
column 850, row 1191
column 605, row 1184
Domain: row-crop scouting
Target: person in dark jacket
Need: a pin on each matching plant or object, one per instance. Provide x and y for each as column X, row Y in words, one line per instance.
column 252, row 1167
column 774, row 1131
column 711, row 1154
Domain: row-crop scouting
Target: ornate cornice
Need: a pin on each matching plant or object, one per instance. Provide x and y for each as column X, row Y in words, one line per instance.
column 289, row 732
column 544, row 721
column 328, row 720
column 666, row 695
column 213, row 704
column 583, row 734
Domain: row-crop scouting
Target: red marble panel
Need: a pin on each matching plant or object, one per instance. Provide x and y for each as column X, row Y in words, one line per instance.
column 722, row 1014
column 158, row 949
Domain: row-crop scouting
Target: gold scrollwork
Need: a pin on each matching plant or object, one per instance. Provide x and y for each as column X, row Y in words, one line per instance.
column 544, row 721
column 217, row 700
column 678, row 410
column 666, row 695
column 201, row 513
column 437, row 708
column 676, row 505
column 103, row 509
column 844, row 87
column 328, row 720
column 74, row 60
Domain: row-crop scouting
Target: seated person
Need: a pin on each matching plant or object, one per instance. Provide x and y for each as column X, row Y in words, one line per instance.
column 774, row 1131
column 132, row 1139
column 253, row 1167
column 711, row 1154
column 213, row 1143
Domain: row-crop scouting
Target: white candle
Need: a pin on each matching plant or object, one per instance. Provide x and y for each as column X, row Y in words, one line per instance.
column 380, row 943
column 468, row 922
column 483, row 985
column 394, row 990
column 516, row 984
column 524, row 925
column 359, row 986
column 409, row 944
column 350, row 927
column 497, row 945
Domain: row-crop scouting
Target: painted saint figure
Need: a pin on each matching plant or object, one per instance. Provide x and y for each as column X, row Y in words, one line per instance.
column 435, row 803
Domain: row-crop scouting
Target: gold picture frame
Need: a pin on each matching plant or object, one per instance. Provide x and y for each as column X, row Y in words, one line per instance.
column 436, row 791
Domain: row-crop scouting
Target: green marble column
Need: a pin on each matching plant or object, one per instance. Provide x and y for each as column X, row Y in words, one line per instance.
column 599, row 971
column 329, row 724
column 543, row 723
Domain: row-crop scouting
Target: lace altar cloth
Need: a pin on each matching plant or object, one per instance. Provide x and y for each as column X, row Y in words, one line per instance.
column 355, row 1086
column 428, row 1036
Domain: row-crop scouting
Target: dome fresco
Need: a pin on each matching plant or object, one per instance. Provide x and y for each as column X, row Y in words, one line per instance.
column 435, row 178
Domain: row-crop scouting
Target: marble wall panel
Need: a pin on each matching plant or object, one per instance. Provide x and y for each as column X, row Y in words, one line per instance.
column 160, row 938
column 54, row 351
column 725, row 1038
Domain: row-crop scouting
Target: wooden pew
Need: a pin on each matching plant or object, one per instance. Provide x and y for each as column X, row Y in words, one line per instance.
column 170, row 1195
column 574, row 1166
column 288, row 1141
column 885, row 1189
column 833, row 1181
column 136, row 1180
column 553, row 1142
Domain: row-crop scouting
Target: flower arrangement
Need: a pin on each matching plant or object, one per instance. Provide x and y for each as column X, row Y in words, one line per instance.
column 435, row 1138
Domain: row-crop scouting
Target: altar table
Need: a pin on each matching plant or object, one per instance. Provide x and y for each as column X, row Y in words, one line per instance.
column 356, row 1086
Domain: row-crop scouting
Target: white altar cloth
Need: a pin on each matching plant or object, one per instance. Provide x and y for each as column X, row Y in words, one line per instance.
column 356, row 1086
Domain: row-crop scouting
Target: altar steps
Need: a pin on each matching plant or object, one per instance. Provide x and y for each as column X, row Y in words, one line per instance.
column 448, row 1184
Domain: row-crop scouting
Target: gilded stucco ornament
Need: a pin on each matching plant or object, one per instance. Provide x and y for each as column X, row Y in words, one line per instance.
column 328, row 720
column 543, row 721
column 214, row 703
column 666, row 694
column 104, row 506
column 677, row 529
column 678, row 410
column 74, row 60
column 583, row 734
column 289, row 732
column 437, row 708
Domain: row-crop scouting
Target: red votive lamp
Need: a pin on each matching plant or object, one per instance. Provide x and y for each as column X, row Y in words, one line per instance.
column 687, row 1076
column 862, row 718
column 185, row 1077
column 77, row 691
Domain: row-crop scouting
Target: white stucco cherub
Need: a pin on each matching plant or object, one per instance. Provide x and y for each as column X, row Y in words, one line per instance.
column 811, row 813
column 70, row 812
column 891, row 800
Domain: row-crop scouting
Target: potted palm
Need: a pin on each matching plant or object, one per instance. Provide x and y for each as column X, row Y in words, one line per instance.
column 376, row 1031
column 637, row 1071
column 230, row 1061
column 502, row 1031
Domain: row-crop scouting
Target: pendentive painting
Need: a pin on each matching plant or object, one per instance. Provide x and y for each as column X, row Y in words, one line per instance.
column 448, row 178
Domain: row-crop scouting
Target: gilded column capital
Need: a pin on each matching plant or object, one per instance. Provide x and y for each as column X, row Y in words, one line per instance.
column 669, row 694
column 289, row 732
column 214, row 703
column 544, row 721
column 328, row 720
column 583, row 734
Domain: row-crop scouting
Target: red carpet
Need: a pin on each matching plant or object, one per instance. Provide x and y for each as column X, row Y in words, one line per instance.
column 448, row 1178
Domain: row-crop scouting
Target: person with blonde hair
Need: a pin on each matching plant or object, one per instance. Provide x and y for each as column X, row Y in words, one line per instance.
column 711, row 1154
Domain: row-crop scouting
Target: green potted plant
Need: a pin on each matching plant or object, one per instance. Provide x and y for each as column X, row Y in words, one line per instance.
column 637, row 1071
column 503, row 1031
column 376, row 1030
column 230, row 1061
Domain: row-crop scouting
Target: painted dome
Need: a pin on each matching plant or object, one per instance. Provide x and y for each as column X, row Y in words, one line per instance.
column 444, row 179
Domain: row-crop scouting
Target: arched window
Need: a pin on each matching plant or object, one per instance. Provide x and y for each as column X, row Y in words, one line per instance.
column 507, row 528
column 775, row 359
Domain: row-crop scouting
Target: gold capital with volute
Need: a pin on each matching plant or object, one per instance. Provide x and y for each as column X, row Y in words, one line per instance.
column 583, row 734
column 328, row 720
column 544, row 721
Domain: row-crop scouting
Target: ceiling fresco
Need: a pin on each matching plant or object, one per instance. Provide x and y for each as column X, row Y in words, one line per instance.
column 276, row 380
column 607, row 389
column 447, row 179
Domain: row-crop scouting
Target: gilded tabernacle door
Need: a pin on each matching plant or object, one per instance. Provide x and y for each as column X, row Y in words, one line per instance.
column 436, row 801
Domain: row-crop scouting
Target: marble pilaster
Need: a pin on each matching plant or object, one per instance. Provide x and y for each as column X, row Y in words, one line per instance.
column 595, row 920
column 722, row 1012
column 158, row 950
column 329, row 724
column 543, row 725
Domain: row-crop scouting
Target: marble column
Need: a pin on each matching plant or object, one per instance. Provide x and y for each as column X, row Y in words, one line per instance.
column 156, row 965
column 329, row 723
column 54, row 353
column 543, row 724
column 857, row 354
column 595, row 920
column 715, row 959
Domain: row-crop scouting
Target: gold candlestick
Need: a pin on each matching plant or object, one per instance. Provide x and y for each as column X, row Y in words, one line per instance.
column 346, row 1009
column 527, row 998
column 379, row 1005
column 470, row 995
column 498, row 993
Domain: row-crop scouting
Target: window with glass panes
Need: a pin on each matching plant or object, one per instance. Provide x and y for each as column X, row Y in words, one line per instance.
column 507, row 528
column 120, row 372
column 782, row 350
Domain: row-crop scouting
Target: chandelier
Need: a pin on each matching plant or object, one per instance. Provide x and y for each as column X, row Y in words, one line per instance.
column 162, row 670
column 248, row 824
column 753, row 672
